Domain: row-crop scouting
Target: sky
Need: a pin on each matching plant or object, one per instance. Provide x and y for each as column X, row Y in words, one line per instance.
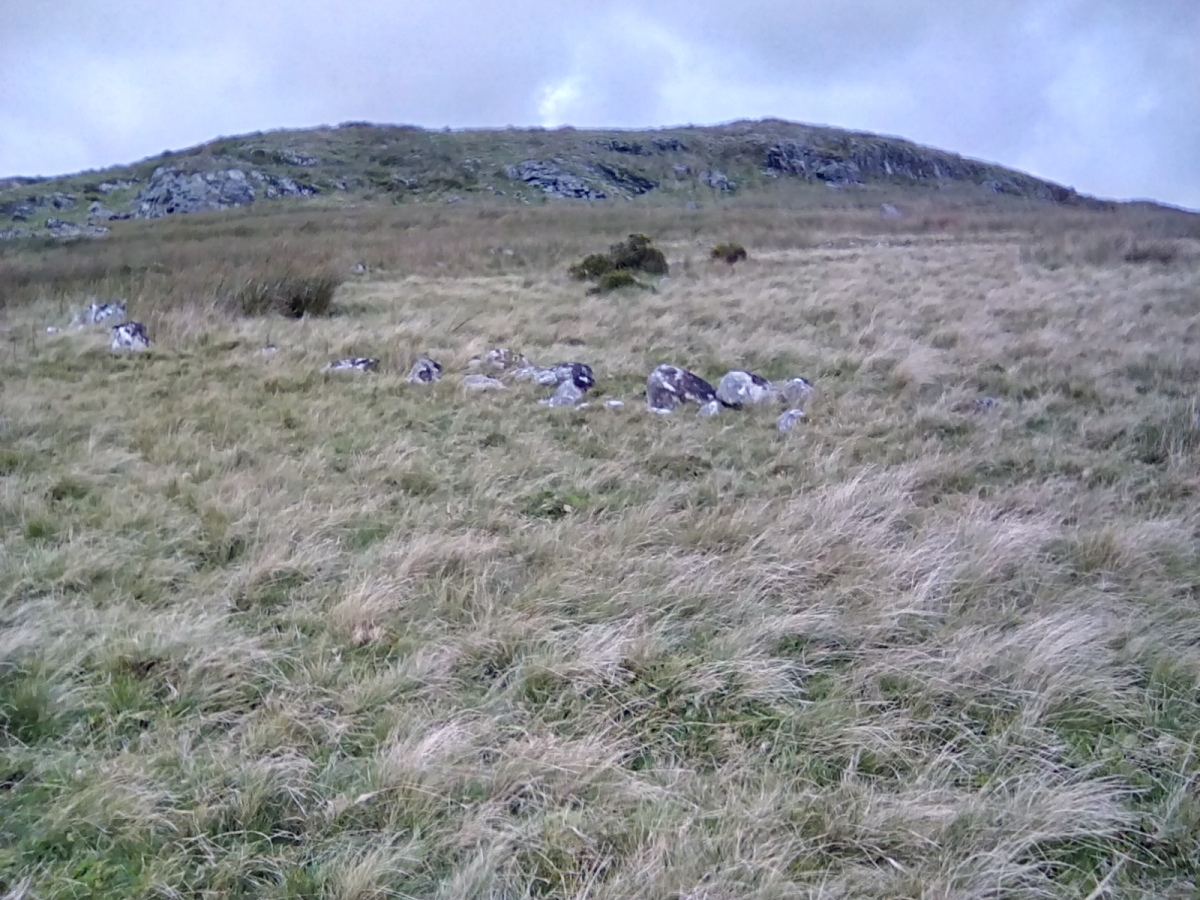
column 1099, row 95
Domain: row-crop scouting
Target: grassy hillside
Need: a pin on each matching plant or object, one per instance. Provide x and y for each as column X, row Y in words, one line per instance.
column 268, row 632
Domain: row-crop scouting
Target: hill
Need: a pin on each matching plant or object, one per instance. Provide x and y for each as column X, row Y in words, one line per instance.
column 357, row 162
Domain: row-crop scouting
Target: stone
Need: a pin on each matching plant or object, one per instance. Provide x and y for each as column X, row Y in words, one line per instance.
column 51, row 329
column 424, row 371
column 354, row 364
column 130, row 336
column 568, row 394
column 717, row 180
column 95, row 313
column 614, row 404
column 269, row 350
column 888, row 211
column 796, row 390
column 788, row 420
column 668, row 386
column 171, row 191
column 738, row 387
column 503, row 359
column 479, row 382
column 711, row 408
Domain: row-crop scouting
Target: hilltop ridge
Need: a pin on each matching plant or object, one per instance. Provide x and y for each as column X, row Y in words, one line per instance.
column 403, row 163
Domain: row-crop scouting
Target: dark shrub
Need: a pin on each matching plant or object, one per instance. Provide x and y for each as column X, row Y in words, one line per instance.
column 637, row 253
column 730, row 253
column 592, row 266
column 615, row 280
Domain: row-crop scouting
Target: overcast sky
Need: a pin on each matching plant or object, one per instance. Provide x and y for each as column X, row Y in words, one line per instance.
column 1101, row 95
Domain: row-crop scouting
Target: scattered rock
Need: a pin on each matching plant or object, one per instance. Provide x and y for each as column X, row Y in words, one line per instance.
column 292, row 158
column 477, row 382
column 503, row 359
column 95, row 313
column 354, row 364
column 681, row 170
column 889, row 212
column 424, row 371
column 739, row 387
column 710, row 409
column 51, row 329
column 668, row 386
column 633, row 147
column 566, row 395
column 796, row 390
column 788, row 420
column 130, row 336
column 360, row 269
column 717, row 180
column 669, row 144
column 269, row 350
column 614, row 404
column 623, row 178
column 120, row 184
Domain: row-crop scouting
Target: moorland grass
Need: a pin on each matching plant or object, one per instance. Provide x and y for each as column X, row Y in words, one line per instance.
column 272, row 632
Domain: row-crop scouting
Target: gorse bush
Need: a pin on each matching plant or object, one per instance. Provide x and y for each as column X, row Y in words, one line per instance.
column 293, row 295
column 636, row 254
column 615, row 281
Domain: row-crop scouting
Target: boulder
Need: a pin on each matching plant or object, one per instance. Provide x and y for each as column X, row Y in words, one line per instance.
column 668, row 386
column 171, row 191
column 574, row 380
column 717, row 180
column 130, row 336
column 424, row 371
column 788, row 420
column 354, row 364
column 738, row 387
column 502, row 359
column 479, row 382
column 796, row 390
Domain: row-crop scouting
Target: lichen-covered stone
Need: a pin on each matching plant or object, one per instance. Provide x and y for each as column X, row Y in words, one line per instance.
column 788, row 420
column 739, row 387
column 130, row 336
column 424, row 371
column 668, row 386
column 354, row 364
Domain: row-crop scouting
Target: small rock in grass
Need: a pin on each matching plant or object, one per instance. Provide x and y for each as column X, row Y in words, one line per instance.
column 668, row 386
column 482, row 383
column 788, row 420
column 130, row 336
column 354, row 364
column 424, row 371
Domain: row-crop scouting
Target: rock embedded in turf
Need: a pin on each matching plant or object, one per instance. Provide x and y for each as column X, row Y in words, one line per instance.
column 130, row 336
column 739, row 387
column 425, row 371
column 354, row 364
column 788, row 420
column 668, row 386
column 95, row 313
column 478, row 382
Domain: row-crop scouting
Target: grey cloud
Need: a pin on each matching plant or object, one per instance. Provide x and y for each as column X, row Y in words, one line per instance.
column 1100, row 94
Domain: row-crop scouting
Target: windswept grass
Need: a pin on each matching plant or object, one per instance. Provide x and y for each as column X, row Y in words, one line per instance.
column 269, row 632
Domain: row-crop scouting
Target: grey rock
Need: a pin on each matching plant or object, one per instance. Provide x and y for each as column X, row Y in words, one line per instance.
column 354, row 364
column 614, row 404
column 268, row 350
column 889, row 212
column 171, row 192
column 738, row 387
column 479, row 382
column 788, row 420
column 130, row 336
column 623, row 178
column 632, row 147
column 293, row 158
column 796, row 390
column 668, row 386
column 717, row 180
column 424, row 371
column 95, row 313
column 710, row 409
column 568, row 394
column 52, row 329
column 502, row 359
column 120, row 184
column 669, row 144
column 681, row 170
column 553, row 179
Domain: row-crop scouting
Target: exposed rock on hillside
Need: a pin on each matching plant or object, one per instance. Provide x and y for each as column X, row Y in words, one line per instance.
column 171, row 191
column 553, row 179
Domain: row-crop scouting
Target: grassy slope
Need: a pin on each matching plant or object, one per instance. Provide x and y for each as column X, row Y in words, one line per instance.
column 271, row 633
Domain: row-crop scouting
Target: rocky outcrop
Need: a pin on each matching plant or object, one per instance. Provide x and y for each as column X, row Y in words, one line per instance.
column 553, row 179
column 739, row 387
column 130, row 336
column 425, row 371
column 625, row 179
column 717, row 180
column 171, row 191
column 668, row 386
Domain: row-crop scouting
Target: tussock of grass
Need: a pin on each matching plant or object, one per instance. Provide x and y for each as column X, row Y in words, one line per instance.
column 730, row 252
column 268, row 634
column 291, row 295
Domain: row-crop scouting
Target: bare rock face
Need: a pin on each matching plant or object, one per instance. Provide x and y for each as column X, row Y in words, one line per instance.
column 788, row 420
column 354, row 364
column 738, row 387
column 95, row 313
column 130, row 336
column 479, row 382
column 424, row 371
column 668, row 386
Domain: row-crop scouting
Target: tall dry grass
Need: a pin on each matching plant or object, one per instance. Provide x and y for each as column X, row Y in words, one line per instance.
column 272, row 632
